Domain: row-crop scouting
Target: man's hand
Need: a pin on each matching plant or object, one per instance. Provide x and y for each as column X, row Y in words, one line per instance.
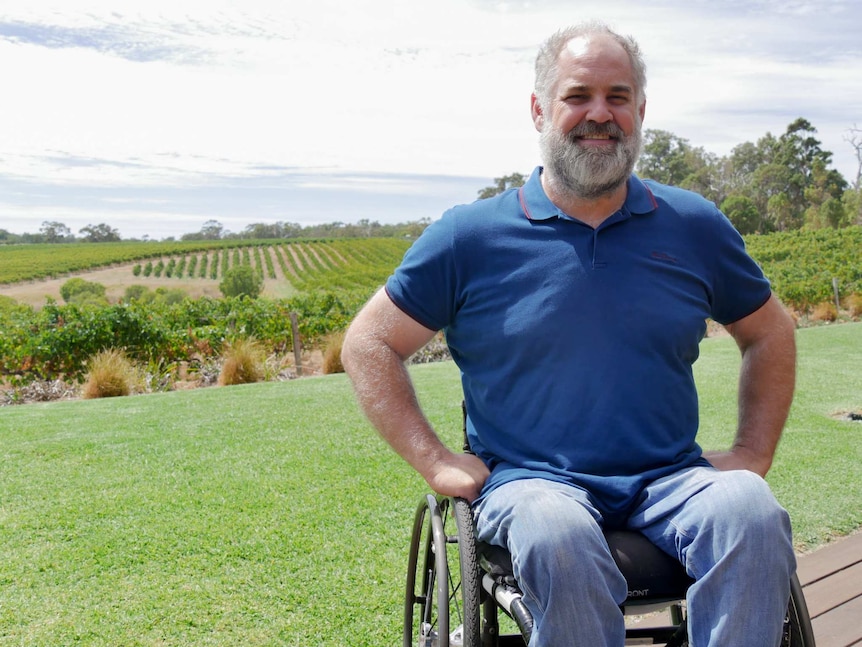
column 459, row 475
column 737, row 459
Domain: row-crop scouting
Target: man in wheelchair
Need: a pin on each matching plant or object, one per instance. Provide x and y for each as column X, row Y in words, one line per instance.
column 574, row 307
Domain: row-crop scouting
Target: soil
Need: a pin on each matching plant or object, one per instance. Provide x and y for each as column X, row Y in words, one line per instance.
column 117, row 278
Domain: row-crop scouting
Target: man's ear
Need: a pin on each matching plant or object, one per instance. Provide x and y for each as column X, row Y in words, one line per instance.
column 642, row 110
column 536, row 112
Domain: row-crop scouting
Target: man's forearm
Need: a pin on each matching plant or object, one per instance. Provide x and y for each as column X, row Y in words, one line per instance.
column 386, row 395
column 377, row 343
column 766, row 339
column 766, row 386
column 766, row 382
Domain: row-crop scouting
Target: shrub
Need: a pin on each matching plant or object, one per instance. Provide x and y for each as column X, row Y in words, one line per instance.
column 169, row 296
column 824, row 311
column 332, row 353
column 89, row 299
column 110, row 374
column 8, row 304
column 854, row 305
column 78, row 290
column 135, row 293
column 241, row 280
column 243, row 362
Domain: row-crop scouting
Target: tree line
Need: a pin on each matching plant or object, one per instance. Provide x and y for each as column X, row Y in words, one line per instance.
column 775, row 184
column 778, row 183
column 57, row 232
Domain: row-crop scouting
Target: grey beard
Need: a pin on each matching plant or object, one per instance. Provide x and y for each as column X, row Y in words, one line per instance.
column 585, row 172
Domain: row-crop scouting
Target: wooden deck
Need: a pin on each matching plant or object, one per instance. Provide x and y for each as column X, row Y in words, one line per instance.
column 831, row 579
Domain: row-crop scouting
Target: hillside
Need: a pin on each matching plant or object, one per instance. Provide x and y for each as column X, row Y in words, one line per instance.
column 800, row 264
column 32, row 273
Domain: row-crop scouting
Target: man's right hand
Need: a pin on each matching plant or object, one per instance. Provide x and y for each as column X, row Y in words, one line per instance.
column 377, row 344
column 458, row 475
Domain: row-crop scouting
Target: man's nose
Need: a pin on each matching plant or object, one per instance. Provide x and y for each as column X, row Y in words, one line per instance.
column 599, row 111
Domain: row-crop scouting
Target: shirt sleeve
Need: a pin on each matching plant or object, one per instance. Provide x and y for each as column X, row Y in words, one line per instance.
column 424, row 284
column 739, row 286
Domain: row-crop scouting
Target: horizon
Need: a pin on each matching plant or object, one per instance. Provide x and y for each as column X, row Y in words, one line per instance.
column 156, row 117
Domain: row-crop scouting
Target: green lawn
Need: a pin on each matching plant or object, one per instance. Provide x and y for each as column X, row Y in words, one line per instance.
column 271, row 514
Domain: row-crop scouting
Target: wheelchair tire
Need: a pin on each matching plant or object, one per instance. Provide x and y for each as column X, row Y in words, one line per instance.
column 442, row 601
column 798, row 631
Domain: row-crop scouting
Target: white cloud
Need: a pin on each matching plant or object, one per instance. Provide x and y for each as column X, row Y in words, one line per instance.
column 169, row 94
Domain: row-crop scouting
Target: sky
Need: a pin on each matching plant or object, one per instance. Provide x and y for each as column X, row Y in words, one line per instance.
column 156, row 116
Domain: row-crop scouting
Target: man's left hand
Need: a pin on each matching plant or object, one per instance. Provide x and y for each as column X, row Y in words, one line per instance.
column 738, row 459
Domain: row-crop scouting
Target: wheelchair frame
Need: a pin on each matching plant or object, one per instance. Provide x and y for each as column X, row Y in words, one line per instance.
column 453, row 594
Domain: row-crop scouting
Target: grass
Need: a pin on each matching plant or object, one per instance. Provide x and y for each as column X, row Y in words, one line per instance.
column 271, row 514
column 817, row 472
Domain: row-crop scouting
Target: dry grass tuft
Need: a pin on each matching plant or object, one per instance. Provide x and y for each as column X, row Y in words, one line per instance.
column 332, row 354
column 110, row 374
column 244, row 363
column 854, row 305
column 825, row 311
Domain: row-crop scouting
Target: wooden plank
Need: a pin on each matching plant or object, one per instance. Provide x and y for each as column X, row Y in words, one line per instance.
column 829, row 559
column 840, row 627
column 833, row 591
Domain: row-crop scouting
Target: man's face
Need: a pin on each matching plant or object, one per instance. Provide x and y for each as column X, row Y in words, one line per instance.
column 591, row 125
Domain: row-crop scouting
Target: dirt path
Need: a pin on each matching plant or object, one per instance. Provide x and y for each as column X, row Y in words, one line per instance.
column 117, row 279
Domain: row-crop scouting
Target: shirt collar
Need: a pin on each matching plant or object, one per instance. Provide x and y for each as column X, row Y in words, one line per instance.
column 537, row 206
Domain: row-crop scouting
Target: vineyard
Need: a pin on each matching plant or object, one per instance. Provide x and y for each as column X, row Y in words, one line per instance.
column 307, row 264
column 800, row 264
column 330, row 279
column 803, row 264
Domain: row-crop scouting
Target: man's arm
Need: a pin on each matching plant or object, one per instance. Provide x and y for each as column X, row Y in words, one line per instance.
column 766, row 339
column 377, row 343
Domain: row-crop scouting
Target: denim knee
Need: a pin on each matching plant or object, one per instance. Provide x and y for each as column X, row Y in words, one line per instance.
column 746, row 502
column 550, row 528
column 742, row 519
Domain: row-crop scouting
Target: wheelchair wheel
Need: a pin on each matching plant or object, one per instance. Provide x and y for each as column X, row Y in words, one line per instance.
column 442, row 602
column 798, row 631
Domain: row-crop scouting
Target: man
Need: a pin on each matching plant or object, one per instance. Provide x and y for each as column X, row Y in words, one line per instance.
column 574, row 307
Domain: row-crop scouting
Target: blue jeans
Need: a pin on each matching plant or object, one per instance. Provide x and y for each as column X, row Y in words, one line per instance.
column 726, row 528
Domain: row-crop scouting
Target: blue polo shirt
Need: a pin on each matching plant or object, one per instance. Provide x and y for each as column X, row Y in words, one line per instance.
column 576, row 344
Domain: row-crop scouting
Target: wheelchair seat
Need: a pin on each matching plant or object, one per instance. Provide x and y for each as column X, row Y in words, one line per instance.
column 651, row 574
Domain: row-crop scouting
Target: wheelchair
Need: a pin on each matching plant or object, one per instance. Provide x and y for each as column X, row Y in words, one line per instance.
column 457, row 586
column 461, row 593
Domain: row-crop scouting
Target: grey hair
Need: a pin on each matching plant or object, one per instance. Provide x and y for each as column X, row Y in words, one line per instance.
column 549, row 54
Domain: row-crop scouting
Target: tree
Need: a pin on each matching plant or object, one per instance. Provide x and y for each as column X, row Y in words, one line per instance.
column 787, row 177
column 832, row 213
column 852, row 201
column 55, row 232
column 241, row 280
column 502, row 184
column 100, row 233
column 782, row 213
column 743, row 213
column 805, row 164
column 664, row 157
column 855, row 140
column 825, row 209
